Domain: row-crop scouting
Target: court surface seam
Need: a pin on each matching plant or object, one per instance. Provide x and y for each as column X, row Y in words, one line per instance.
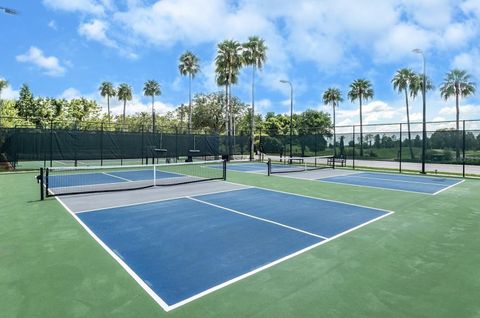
column 114, row 176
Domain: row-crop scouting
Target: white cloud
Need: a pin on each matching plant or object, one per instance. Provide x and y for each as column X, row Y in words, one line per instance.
column 466, row 111
column 87, row 6
column 468, row 61
column 8, row 92
column 49, row 64
column 471, row 7
column 71, row 93
column 95, row 30
column 52, row 25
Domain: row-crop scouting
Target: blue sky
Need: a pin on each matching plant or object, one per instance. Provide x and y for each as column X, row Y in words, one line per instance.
column 65, row 48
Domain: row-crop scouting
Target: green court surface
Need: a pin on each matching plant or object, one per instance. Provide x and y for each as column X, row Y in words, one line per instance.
column 422, row 261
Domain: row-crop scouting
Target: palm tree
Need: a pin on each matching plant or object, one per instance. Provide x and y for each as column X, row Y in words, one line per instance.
column 362, row 90
column 333, row 96
column 152, row 88
column 124, row 94
column 189, row 66
column 254, row 54
column 228, row 63
column 107, row 90
column 401, row 82
column 457, row 83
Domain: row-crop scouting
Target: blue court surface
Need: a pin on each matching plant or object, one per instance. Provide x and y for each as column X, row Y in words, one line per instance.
column 401, row 182
column 82, row 179
column 186, row 246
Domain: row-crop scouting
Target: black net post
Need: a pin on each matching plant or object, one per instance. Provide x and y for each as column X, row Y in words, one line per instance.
column 176, row 143
column 463, row 150
column 400, row 152
column 353, row 153
column 269, row 167
column 40, row 179
column 224, row 166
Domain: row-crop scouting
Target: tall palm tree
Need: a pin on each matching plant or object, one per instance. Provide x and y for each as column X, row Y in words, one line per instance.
column 457, row 84
column 333, row 96
column 362, row 90
column 124, row 94
column 189, row 66
column 107, row 90
column 228, row 63
column 254, row 54
column 152, row 88
column 402, row 81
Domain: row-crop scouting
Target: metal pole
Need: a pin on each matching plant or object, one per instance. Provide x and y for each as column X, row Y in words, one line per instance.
column 353, row 160
column 424, row 121
column 464, row 144
column 400, row 152
column 291, row 117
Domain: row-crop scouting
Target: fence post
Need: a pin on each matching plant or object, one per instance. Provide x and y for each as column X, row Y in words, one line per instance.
column 353, row 157
column 464, row 146
column 400, row 152
column 101, row 145
column 176, row 143
column 51, row 143
column 143, row 145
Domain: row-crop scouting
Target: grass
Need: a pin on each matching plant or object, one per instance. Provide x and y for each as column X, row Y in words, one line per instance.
column 420, row 262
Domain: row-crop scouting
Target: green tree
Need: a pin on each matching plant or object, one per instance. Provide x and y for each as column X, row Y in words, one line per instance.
column 107, row 90
column 228, row 62
column 457, row 84
column 25, row 104
column 360, row 90
column 124, row 94
column 333, row 96
column 3, row 85
column 181, row 111
column 152, row 89
column 189, row 65
column 254, row 54
column 401, row 82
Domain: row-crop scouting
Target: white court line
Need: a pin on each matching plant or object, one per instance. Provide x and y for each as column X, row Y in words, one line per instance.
column 257, row 218
column 161, row 200
column 167, row 307
column 111, row 175
column 316, row 198
column 353, row 185
column 451, row 186
column 278, row 261
column 394, row 180
column 131, row 272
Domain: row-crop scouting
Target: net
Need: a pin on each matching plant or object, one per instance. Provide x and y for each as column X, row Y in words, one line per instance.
column 298, row 164
column 79, row 180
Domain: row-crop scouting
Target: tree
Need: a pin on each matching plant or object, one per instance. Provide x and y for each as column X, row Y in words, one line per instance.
column 181, row 112
column 333, row 97
column 25, row 104
column 362, row 90
column 152, row 88
column 457, row 84
column 124, row 94
column 3, row 85
column 228, row 62
column 189, row 66
column 107, row 90
column 401, row 82
column 254, row 54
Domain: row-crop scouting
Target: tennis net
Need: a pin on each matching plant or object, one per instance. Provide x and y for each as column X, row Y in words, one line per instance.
column 297, row 164
column 80, row 180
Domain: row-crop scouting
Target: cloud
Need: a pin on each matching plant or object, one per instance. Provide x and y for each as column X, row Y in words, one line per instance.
column 466, row 111
column 468, row 61
column 71, row 93
column 52, row 25
column 8, row 92
column 49, row 64
column 95, row 30
column 86, row 6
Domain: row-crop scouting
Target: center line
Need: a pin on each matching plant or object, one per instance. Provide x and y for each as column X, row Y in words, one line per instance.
column 258, row 218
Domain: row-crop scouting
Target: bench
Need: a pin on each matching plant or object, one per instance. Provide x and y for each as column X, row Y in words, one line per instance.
column 337, row 160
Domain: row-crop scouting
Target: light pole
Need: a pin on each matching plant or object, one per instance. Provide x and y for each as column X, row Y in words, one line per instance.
column 291, row 112
column 424, row 122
